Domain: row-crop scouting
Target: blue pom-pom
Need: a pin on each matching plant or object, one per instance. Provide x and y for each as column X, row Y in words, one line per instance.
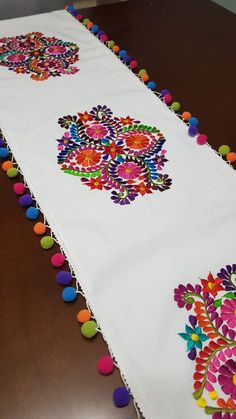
column 164, row 92
column 25, row 200
column 70, row 8
column 122, row 53
column 192, row 131
column 193, row 121
column 4, row 152
column 69, row 294
column 151, row 85
column 32, row 213
column 95, row 29
column 63, row 277
column 121, row 397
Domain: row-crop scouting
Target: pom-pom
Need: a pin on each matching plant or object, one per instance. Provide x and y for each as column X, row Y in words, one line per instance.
column 186, row 116
column 83, row 316
column 86, row 21
column 192, row 131
column 193, row 121
column 167, row 98
column 69, row 294
column 224, row 150
column 121, row 397
column 144, row 77
column 105, row 365
column 57, row 260
column 95, row 29
column 231, row 157
column 12, row 172
column 4, row 152
column 133, row 64
column 127, row 59
column 111, row 44
column 47, row 242
column 116, row 49
column 32, row 213
column 78, row 16
column 201, row 139
column 25, row 200
column 122, row 53
column 7, row 165
column 164, row 92
column 19, row 188
column 141, row 72
column 151, row 85
column 89, row 329
column 175, row 106
column 40, row 229
column 64, row 277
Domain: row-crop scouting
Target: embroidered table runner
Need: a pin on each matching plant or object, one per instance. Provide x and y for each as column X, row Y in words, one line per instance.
column 138, row 207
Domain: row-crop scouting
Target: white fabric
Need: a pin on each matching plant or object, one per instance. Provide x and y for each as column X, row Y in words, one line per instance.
column 128, row 259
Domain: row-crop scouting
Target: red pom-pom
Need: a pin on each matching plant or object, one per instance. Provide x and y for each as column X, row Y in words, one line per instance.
column 105, row 365
column 19, row 188
column 167, row 98
column 79, row 17
column 201, row 139
column 133, row 64
column 103, row 38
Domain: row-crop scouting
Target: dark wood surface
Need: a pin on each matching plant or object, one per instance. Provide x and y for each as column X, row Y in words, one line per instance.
column 47, row 370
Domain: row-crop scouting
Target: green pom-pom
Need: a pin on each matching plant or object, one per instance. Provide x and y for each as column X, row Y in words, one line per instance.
column 12, row 172
column 224, row 149
column 47, row 242
column 111, row 44
column 86, row 21
column 175, row 106
column 89, row 329
column 142, row 71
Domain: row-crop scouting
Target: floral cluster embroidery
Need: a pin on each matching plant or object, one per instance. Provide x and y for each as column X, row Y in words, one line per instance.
column 39, row 55
column 111, row 153
column 210, row 339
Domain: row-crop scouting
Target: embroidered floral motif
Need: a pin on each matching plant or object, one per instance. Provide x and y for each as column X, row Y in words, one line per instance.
column 39, row 55
column 116, row 154
column 211, row 340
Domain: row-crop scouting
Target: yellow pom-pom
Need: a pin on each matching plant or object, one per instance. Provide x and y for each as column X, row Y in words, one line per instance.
column 201, row 402
column 213, row 395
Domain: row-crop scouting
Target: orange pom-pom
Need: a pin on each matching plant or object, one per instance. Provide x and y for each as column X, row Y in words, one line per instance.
column 186, row 116
column 89, row 25
column 83, row 316
column 7, row 165
column 145, row 77
column 116, row 49
column 231, row 157
column 40, row 228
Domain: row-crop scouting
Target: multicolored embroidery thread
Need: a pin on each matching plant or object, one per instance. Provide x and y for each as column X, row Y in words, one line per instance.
column 211, row 340
column 40, row 55
column 111, row 153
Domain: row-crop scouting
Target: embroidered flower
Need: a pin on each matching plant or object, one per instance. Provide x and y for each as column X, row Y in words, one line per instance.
column 212, row 285
column 129, row 171
column 160, row 160
column 127, row 120
column 113, row 150
column 137, row 141
column 95, row 183
column 228, row 274
column 163, row 183
column 228, row 312
column 194, row 337
column 88, row 157
column 142, row 188
column 227, row 378
column 85, row 117
column 96, row 131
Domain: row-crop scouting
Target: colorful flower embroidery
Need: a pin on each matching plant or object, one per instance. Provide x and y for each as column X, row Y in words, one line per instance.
column 39, row 55
column 116, row 154
column 211, row 340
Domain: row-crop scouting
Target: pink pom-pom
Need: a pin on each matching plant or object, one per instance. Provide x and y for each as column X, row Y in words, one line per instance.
column 167, row 98
column 79, row 17
column 201, row 139
column 19, row 188
column 57, row 260
column 103, row 38
column 105, row 365
column 133, row 64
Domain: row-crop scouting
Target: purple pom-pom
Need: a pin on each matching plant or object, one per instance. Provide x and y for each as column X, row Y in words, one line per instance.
column 121, row 397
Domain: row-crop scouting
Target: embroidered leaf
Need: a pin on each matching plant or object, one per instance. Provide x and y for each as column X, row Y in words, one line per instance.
column 217, row 303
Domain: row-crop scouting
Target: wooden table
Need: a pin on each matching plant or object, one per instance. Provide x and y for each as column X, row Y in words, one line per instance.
column 47, row 370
